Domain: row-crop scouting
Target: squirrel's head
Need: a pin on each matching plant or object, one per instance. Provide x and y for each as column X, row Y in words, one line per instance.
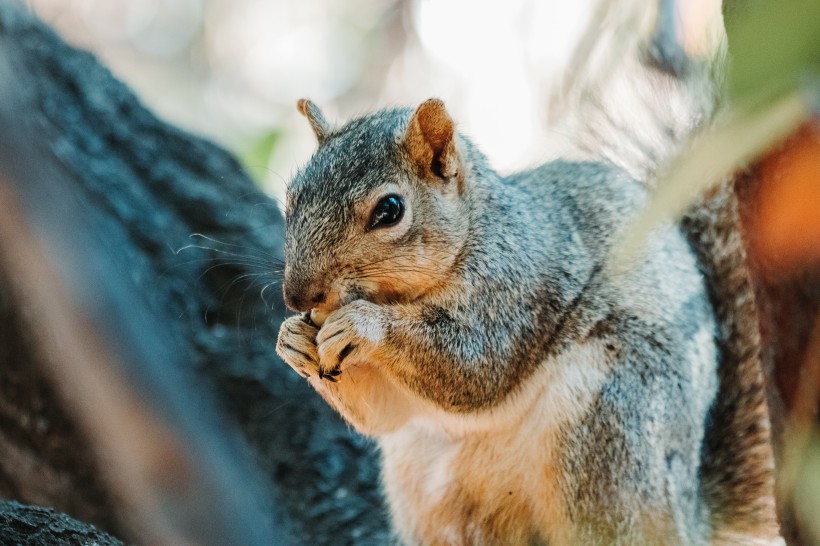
column 379, row 212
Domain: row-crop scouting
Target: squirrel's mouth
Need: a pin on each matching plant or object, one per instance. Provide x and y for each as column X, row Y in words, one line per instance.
column 333, row 300
column 339, row 297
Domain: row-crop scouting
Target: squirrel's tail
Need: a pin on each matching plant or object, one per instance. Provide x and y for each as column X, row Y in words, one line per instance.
column 737, row 473
column 643, row 86
column 643, row 79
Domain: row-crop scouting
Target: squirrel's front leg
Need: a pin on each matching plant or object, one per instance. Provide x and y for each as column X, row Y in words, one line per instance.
column 353, row 333
column 297, row 345
column 341, row 362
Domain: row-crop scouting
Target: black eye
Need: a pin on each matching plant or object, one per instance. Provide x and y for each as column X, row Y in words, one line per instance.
column 387, row 212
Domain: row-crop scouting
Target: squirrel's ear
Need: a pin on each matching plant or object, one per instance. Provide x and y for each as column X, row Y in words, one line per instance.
column 430, row 140
column 317, row 120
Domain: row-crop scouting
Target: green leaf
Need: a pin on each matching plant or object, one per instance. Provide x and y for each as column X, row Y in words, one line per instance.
column 712, row 157
column 774, row 46
column 255, row 158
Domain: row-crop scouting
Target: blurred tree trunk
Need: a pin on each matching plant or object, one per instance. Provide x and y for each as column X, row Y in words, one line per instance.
column 44, row 458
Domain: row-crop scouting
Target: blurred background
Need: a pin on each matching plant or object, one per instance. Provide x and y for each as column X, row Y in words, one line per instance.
column 232, row 70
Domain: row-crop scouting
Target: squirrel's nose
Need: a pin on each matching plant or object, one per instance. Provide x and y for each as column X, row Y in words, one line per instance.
column 300, row 297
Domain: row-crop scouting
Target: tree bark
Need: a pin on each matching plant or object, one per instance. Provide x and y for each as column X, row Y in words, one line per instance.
column 35, row 526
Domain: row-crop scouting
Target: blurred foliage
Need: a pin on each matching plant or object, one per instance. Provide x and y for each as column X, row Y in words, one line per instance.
column 807, row 488
column 255, row 158
column 775, row 49
column 772, row 87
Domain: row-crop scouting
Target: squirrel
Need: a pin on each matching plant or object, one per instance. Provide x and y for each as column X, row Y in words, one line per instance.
column 519, row 389
column 520, row 392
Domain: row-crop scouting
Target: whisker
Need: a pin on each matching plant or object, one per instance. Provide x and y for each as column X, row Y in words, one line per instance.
column 265, row 255
column 262, row 294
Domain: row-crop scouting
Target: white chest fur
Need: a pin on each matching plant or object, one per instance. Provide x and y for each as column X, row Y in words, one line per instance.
column 491, row 477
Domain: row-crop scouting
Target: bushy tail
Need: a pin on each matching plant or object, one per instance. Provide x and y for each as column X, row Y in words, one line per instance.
column 644, row 83
column 738, row 462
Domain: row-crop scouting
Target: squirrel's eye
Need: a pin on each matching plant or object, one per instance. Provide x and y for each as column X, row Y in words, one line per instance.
column 387, row 212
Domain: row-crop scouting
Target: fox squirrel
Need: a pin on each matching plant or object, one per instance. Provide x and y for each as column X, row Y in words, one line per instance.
column 520, row 392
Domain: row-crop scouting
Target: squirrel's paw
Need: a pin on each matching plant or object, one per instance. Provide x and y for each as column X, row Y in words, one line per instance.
column 297, row 346
column 350, row 333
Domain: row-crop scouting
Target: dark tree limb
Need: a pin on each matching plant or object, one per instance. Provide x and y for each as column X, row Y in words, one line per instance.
column 35, row 526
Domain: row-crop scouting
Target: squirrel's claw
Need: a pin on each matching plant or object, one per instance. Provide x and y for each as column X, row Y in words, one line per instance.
column 330, row 375
column 349, row 348
column 297, row 346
